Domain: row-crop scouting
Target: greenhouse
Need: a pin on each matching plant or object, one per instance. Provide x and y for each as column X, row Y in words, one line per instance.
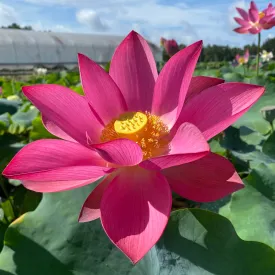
column 24, row 50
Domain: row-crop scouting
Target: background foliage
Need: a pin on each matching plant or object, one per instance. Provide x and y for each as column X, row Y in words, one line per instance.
column 236, row 237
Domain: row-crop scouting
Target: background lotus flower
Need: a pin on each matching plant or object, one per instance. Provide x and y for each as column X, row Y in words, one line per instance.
column 243, row 59
column 246, row 56
column 170, row 46
column 254, row 21
column 146, row 133
column 266, row 56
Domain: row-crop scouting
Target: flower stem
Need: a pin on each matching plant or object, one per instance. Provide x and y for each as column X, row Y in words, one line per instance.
column 6, row 219
column 244, row 70
column 272, row 127
column 258, row 53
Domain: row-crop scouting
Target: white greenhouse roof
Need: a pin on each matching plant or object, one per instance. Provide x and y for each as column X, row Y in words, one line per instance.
column 22, row 49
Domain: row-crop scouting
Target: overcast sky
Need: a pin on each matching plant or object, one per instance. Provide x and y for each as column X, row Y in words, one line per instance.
column 184, row 20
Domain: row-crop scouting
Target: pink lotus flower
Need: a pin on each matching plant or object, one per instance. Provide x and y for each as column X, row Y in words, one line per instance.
column 243, row 59
column 146, row 133
column 170, row 46
column 254, row 21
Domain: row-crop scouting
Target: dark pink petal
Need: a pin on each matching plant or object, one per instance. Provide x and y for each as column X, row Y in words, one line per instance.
column 91, row 208
column 123, row 152
column 66, row 109
column 219, row 106
column 135, row 209
column 254, row 15
column 173, row 82
column 171, row 47
column 65, row 164
column 268, row 10
column 200, row 83
column 57, row 185
column 187, row 145
column 77, row 172
column 253, row 6
column 133, row 69
column 243, row 14
column 242, row 22
column 100, row 90
column 266, row 19
column 207, row 179
column 55, row 130
column 254, row 30
column 241, row 30
column 271, row 23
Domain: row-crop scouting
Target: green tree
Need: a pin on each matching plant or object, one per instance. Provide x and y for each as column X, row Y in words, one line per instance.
column 18, row 27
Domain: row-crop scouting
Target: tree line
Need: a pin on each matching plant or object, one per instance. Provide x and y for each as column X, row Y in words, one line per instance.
column 218, row 53
column 18, row 27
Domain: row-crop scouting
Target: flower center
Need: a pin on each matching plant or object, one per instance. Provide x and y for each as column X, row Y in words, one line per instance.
column 261, row 15
column 147, row 130
column 241, row 60
column 257, row 24
column 130, row 123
